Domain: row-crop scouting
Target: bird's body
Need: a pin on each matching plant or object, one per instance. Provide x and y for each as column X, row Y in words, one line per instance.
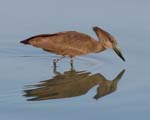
column 72, row 43
column 69, row 43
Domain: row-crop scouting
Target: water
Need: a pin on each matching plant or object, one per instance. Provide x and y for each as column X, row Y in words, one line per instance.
column 91, row 90
column 99, row 86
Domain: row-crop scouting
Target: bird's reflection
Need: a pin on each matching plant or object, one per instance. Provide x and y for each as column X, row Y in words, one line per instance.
column 70, row 84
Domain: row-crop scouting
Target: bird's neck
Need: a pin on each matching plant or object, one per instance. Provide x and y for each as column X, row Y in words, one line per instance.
column 100, row 47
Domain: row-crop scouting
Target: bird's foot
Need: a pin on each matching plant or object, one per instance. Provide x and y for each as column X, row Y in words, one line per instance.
column 54, row 64
column 56, row 60
column 71, row 63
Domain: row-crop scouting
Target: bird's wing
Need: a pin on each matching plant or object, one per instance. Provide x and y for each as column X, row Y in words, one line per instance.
column 29, row 40
column 78, row 43
column 102, row 34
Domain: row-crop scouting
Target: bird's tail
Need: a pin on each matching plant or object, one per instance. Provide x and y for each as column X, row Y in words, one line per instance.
column 25, row 41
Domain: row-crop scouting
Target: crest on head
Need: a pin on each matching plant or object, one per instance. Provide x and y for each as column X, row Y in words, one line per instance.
column 108, row 41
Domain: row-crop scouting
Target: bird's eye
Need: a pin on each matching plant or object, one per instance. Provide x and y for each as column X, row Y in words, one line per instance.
column 111, row 40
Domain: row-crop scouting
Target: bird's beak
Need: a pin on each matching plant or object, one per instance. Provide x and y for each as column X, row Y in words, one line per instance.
column 118, row 52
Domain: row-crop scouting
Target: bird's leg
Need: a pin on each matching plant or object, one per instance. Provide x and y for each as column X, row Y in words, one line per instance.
column 55, row 71
column 56, row 60
column 71, row 62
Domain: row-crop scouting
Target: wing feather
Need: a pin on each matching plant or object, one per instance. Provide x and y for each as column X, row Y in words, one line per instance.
column 64, row 43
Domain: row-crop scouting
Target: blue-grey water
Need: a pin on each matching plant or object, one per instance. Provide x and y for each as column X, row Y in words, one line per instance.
column 100, row 86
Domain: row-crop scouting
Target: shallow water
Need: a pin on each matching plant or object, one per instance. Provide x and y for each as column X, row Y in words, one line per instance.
column 99, row 86
column 96, row 87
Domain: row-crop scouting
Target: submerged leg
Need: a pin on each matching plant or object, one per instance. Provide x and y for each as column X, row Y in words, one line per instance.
column 71, row 62
column 56, row 60
column 55, row 71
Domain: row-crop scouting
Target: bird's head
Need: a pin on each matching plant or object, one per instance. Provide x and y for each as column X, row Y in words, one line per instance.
column 108, row 41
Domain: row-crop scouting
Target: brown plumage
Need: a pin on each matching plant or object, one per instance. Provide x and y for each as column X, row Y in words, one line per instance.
column 72, row 43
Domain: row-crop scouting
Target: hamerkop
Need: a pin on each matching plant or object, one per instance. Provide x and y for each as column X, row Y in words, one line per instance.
column 73, row 43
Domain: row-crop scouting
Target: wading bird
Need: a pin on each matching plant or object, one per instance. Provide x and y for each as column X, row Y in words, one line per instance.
column 73, row 43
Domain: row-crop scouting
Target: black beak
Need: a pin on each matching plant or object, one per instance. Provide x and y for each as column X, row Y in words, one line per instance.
column 118, row 52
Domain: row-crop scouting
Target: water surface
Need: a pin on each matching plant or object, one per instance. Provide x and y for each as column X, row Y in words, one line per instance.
column 99, row 86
